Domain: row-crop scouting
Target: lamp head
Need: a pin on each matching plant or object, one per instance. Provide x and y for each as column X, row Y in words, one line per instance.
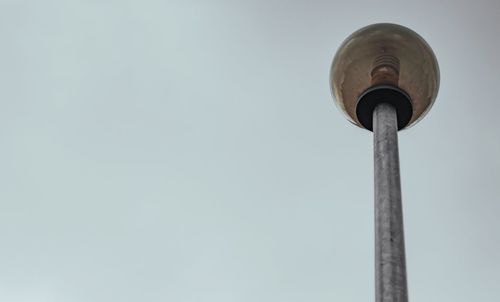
column 384, row 63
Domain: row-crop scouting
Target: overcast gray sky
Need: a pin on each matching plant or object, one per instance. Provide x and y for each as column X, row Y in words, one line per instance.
column 190, row 151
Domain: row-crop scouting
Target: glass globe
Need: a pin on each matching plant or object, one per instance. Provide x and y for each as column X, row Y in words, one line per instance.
column 385, row 54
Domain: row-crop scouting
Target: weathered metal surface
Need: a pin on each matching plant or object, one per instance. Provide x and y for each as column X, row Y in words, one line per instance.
column 390, row 266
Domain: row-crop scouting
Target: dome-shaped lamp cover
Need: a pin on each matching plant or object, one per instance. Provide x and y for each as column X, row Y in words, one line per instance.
column 385, row 54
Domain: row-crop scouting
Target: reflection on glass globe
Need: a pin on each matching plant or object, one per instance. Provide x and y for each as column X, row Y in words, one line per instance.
column 385, row 55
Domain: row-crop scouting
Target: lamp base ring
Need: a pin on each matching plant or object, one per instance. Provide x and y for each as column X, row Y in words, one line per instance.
column 384, row 94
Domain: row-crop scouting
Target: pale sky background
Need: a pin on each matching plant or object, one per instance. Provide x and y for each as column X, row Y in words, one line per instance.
column 190, row 151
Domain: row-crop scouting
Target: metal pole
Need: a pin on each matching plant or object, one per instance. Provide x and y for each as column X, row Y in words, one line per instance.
column 390, row 267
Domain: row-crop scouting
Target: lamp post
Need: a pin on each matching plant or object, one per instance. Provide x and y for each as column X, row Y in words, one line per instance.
column 385, row 78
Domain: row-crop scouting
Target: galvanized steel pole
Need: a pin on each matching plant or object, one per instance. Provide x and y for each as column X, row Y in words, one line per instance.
column 390, row 267
column 384, row 78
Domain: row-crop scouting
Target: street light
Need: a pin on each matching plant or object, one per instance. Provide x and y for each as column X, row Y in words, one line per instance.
column 385, row 78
